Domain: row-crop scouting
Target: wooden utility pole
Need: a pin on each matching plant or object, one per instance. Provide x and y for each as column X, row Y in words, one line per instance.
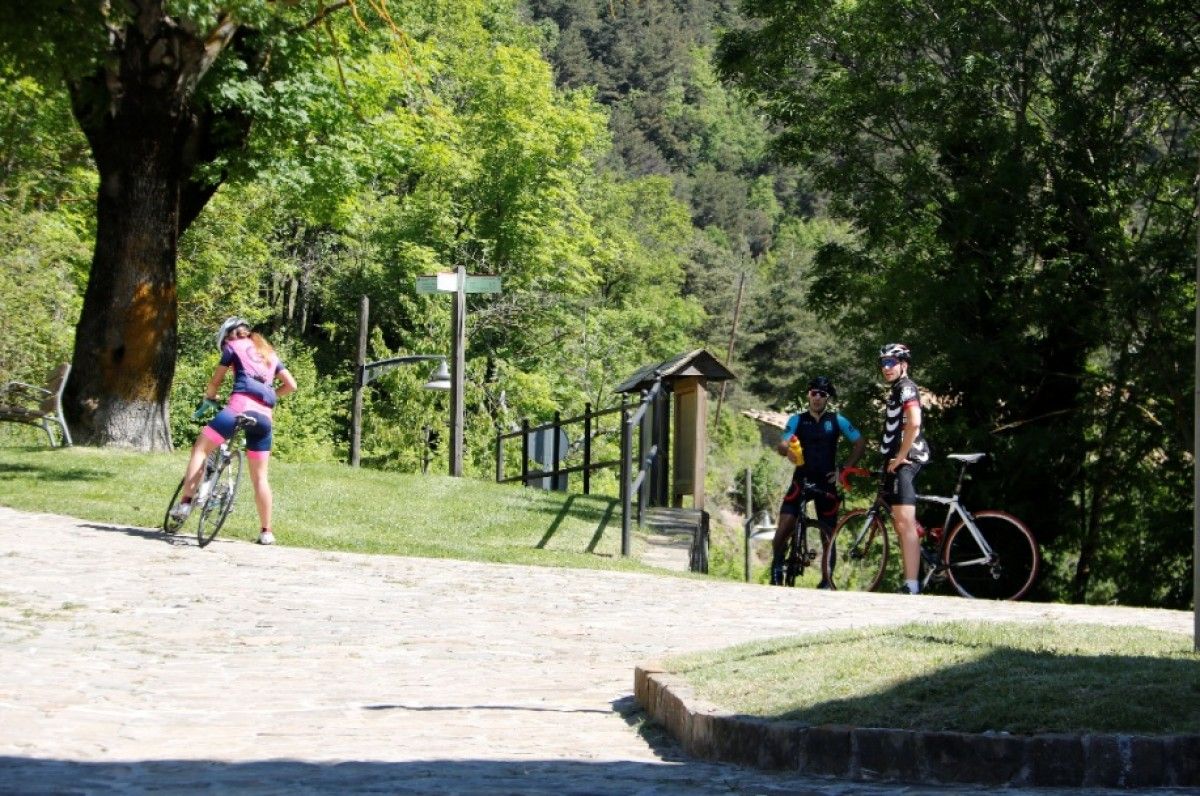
column 356, row 409
column 1196, row 437
column 737, row 311
column 458, row 322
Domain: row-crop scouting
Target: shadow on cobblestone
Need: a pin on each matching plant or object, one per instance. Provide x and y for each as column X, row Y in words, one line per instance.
column 140, row 533
column 657, row 739
column 468, row 777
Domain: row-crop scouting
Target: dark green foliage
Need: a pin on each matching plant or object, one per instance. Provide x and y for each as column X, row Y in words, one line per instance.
column 1020, row 183
column 650, row 63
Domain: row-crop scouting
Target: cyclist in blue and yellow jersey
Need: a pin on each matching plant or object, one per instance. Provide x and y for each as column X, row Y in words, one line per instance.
column 904, row 451
column 256, row 369
column 818, row 431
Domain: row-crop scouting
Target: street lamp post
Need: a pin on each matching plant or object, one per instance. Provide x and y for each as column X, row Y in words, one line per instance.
column 366, row 372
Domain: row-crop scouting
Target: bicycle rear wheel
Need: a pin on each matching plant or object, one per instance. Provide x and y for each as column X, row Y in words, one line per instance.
column 858, row 555
column 220, row 498
column 169, row 523
column 1008, row 574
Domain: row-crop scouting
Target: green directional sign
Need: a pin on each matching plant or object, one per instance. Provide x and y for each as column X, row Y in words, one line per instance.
column 482, row 284
column 448, row 283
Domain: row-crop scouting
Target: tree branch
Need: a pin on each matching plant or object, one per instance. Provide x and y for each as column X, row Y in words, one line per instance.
column 323, row 13
column 215, row 43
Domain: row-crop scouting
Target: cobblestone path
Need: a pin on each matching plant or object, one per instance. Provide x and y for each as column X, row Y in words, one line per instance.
column 131, row 662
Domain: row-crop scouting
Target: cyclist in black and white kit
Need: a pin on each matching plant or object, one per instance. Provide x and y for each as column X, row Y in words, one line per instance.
column 905, row 451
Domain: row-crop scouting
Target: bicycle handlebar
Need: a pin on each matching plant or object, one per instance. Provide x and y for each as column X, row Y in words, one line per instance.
column 858, row 472
column 811, row 490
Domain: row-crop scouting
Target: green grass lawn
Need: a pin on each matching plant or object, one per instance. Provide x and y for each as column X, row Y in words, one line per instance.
column 333, row 507
column 970, row 677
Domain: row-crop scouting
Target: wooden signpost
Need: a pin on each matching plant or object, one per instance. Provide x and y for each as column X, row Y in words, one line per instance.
column 460, row 283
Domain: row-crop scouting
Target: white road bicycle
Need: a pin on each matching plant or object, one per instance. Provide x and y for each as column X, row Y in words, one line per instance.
column 214, row 498
column 984, row 554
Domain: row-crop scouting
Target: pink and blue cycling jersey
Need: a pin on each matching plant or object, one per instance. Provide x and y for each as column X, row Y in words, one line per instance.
column 253, row 376
column 253, row 394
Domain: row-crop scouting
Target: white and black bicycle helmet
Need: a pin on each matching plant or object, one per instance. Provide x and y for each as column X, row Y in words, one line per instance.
column 898, row 350
column 228, row 326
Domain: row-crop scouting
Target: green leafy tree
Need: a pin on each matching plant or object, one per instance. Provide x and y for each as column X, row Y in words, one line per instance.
column 46, row 185
column 1017, row 174
column 165, row 96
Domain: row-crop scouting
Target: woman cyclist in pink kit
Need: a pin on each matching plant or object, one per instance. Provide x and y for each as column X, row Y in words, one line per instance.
column 256, row 368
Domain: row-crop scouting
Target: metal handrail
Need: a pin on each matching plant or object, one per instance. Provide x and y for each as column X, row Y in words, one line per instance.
column 629, row 483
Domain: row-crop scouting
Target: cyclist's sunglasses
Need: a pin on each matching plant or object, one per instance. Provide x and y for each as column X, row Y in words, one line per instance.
column 818, row 393
column 888, row 362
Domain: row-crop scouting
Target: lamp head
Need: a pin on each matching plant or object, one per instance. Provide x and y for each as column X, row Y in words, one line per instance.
column 440, row 379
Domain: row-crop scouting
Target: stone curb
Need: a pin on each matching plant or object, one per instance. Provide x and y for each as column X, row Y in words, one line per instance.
column 924, row 757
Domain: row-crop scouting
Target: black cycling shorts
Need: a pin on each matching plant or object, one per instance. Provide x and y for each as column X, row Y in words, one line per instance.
column 899, row 488
column 827, row 506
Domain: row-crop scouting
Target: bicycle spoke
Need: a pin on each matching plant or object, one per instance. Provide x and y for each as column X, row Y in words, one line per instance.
column 169, row 523
column 802, row 567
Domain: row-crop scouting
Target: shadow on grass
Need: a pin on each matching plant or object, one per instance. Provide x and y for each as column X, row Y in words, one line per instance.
column 1025, row 692
column 54, row 473
column 584, row 513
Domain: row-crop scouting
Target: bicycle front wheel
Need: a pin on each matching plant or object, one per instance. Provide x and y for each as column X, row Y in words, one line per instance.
column 1008, row 573
column 858, row 553
column 220, row 498
column 802, row 566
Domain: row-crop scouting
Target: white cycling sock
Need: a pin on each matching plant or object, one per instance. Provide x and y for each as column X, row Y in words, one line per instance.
column 914, row 586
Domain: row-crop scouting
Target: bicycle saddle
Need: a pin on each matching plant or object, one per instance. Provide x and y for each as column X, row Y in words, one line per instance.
column 966, row 458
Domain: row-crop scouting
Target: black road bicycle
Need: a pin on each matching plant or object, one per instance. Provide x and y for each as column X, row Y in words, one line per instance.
column 214, row 498
column 803, row 564
column 984, row 554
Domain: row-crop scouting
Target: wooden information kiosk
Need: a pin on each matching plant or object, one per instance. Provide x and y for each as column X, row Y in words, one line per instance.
column 686, row 378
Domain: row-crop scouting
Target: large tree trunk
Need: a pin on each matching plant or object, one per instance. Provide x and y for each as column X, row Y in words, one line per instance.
column 125, row 341
column 147, row 135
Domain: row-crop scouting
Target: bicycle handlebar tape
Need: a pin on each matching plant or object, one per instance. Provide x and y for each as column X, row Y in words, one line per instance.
column 844, row 475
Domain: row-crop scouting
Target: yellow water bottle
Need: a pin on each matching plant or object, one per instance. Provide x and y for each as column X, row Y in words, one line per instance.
column 795, row 452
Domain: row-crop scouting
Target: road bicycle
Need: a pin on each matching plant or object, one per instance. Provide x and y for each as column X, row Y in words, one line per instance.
column 802, row 565
column 218, row 490
column 984, row 554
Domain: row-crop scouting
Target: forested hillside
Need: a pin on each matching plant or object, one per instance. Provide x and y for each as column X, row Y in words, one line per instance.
column 1008, row 190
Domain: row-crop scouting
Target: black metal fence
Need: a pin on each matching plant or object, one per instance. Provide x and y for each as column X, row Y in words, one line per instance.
column 591, row 430
column 641, row 485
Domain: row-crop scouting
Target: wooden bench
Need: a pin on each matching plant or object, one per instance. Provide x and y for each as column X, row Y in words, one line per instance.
column 38, row 406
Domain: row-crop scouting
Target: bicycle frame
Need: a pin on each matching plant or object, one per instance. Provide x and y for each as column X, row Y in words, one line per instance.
column 954, row 508
column 989, row 554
